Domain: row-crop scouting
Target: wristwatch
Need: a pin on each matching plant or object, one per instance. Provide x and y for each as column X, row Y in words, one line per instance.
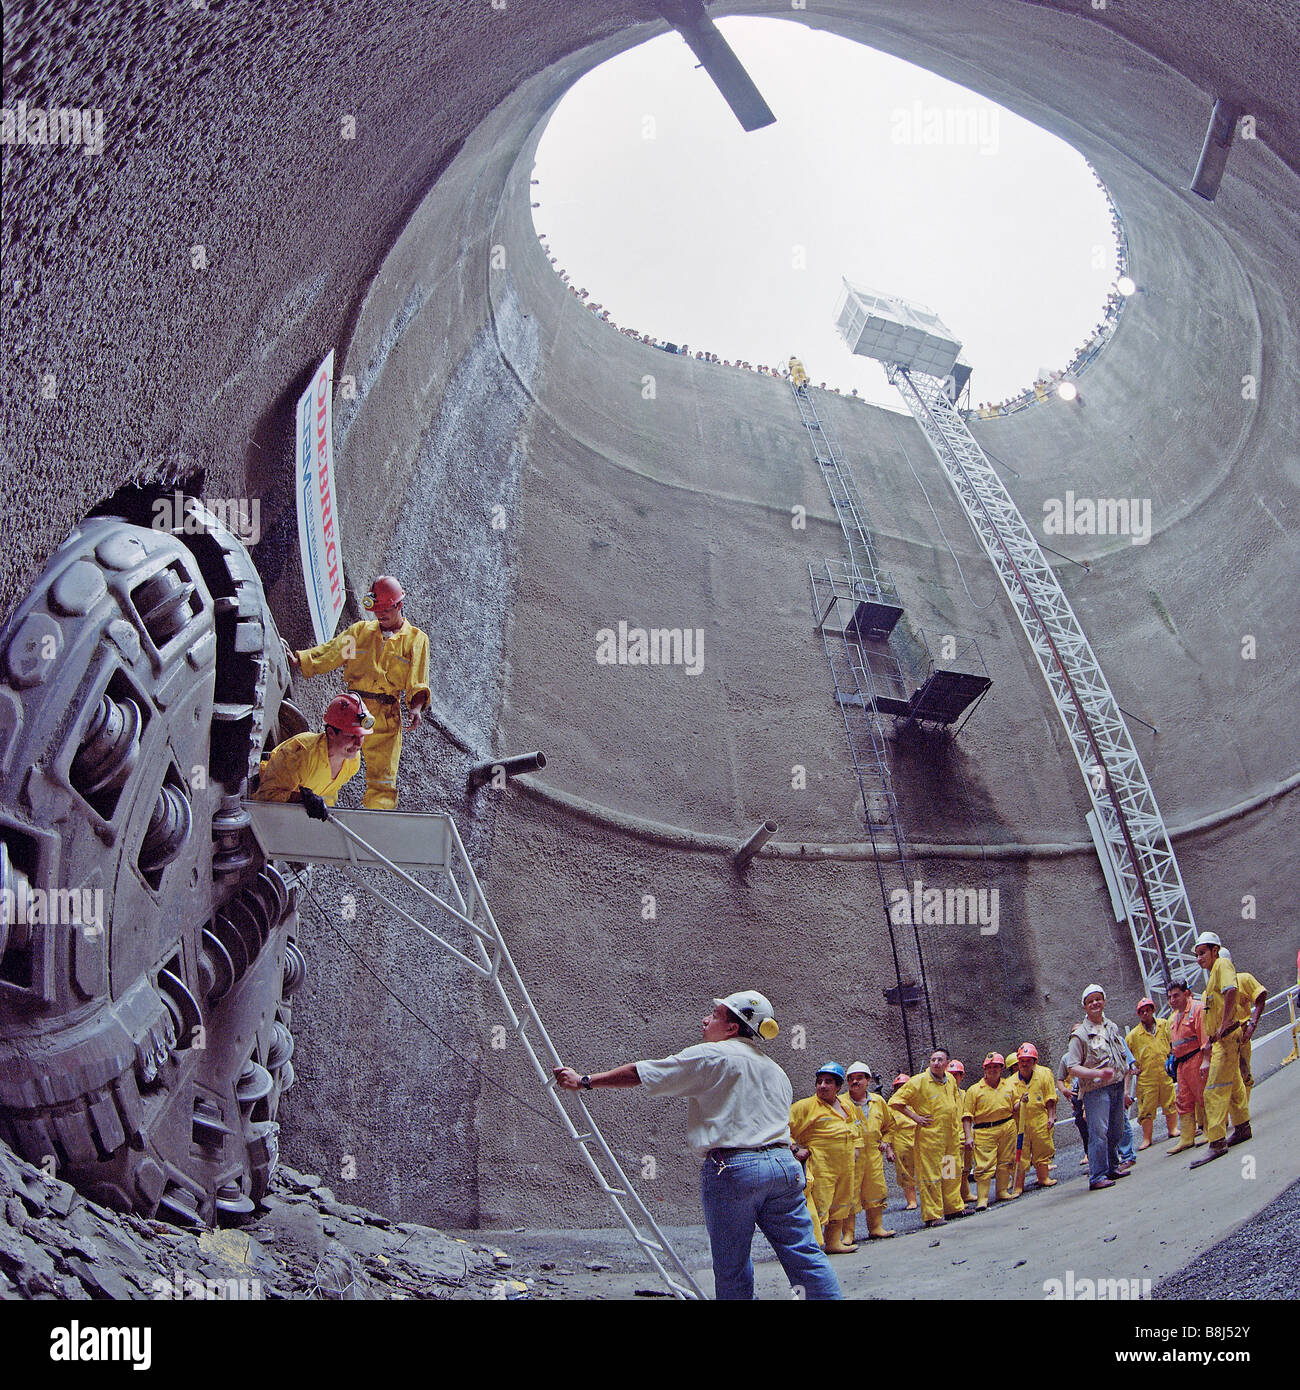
column 585, row 1082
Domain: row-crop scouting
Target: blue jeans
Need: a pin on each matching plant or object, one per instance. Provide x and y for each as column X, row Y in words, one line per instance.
column 763, row 1188
column 1127, row 1153
column 1103, row 1110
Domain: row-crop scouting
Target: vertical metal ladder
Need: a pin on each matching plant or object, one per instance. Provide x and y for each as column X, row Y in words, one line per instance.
column 432, row 844
column 857, row 687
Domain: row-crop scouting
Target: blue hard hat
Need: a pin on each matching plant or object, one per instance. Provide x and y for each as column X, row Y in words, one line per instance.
column 832, row 1069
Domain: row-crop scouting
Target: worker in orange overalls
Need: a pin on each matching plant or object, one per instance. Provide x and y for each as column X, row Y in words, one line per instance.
column 382, row 659
column 1187, row 1037
column 321, row 763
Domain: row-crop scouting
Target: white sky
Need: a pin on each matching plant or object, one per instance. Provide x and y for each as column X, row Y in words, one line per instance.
column 687, row 228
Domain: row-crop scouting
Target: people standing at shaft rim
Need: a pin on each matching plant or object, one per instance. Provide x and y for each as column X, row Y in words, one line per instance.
column 383, row 659
column 738, row 1122
column 1096, row 1056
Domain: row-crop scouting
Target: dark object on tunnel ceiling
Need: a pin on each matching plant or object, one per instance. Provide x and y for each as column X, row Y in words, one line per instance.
column 1214, row 153
column 717, row 59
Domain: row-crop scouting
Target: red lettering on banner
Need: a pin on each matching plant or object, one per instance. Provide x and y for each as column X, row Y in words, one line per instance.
column 326, row 507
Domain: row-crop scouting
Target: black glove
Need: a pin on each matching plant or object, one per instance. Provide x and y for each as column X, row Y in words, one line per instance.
column 312, row 804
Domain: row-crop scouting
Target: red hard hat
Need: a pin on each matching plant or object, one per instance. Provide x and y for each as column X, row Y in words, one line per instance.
column 1027, row 1050
column 901, row 1079
column 1145, row 1004
column 995, row 1059
column 956, row 1068
column 385, row 595
column 349, row 715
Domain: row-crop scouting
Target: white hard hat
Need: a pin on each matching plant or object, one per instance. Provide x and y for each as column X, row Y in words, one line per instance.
column 860, row 1067
column 753, row 1009
column 1208, row 938
column 1092, row 989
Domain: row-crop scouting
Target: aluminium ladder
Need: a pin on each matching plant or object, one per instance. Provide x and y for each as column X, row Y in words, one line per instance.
column 431, row 843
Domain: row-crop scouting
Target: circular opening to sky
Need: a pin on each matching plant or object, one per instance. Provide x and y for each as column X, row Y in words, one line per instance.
column 680, row 225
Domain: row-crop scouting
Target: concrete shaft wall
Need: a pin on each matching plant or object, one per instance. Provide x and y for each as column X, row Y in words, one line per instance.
column 480, row 383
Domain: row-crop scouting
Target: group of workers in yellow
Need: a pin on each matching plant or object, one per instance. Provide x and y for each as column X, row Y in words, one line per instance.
column 383, row 659
column 941, row 1138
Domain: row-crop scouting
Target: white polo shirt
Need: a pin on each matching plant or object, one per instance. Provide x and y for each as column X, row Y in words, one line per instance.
column 739, row 1098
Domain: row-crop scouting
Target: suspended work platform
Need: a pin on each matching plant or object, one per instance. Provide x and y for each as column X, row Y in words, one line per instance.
column 389, row 848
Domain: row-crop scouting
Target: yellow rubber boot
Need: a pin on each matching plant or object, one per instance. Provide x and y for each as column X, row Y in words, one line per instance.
column 1043, row 1179
column 876, row 1224
column 982, row 1186
column 1006, row 1191
column 1186, row 1134
column 835, row 1243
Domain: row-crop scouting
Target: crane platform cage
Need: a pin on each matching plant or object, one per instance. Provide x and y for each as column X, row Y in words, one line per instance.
column 892, row 330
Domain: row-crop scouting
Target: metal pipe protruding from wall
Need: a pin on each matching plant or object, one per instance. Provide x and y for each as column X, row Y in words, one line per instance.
column 1214, row 153
column 510, row 767
column 756, row 841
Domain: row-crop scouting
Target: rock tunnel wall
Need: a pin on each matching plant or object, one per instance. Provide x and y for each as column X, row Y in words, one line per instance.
column 482, row 384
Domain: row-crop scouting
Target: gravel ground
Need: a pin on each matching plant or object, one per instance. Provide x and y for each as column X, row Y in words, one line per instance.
column 1260, row 1259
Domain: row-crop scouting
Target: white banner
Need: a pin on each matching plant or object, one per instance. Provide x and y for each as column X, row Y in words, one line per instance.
column 319, row 540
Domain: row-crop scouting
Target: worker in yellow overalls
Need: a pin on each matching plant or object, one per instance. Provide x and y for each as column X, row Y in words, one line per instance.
column 875, row 1124
column 825, row 1133
column 903, row 1142
column 989, row 1120
column 382, row 659
column 322, row 763
column 958, row 1152
column 929, row 1100
column 1225, row 1091
column 1035, row 1088
column 1150, row 1042
column 1253, row 997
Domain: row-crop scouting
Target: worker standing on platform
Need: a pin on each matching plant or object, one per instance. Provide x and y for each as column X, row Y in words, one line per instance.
column 798, row 375
column 960, row 1154
column 875, row 1126
column 321, row 763
column 1035, row 1089
column 1187, row 1038
column 738, row 1122
column 1225, row 1091
column 1254, row 997
column 382, row 659
column 929, row 1100
column 903, row 1143
column 989, row 1114
column 1150, row 1044
column 823, row 1130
